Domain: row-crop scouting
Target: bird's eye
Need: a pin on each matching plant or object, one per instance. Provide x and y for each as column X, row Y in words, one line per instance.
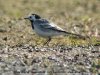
column 30, row 17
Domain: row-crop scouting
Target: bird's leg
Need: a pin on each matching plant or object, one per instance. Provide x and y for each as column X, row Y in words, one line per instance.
column 47, row 42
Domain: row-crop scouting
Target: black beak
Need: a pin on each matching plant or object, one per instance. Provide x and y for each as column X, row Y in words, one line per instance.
column 26, row 18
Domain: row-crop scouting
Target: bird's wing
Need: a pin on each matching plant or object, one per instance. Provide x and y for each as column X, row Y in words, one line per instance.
column 47, row 25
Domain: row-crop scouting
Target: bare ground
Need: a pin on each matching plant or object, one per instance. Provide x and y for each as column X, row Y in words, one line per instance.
column 59, row 60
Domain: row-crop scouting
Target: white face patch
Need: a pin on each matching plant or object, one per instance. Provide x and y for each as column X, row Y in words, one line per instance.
column 32, row 17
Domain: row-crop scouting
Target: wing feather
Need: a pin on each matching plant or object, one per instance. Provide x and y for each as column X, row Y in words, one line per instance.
column 47, row 25
column 44, row 24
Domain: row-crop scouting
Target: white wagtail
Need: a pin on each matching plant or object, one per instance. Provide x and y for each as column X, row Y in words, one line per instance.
column 46, row 29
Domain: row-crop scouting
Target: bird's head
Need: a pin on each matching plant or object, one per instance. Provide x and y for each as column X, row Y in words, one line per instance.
column 33, row 17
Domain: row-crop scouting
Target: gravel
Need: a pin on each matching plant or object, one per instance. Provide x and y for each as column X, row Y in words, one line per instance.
column 59, row 60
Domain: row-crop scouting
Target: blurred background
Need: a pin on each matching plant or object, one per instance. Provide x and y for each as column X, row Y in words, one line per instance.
column 21, row 50
column 77, row 16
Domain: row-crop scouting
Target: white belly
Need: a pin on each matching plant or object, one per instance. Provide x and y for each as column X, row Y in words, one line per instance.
column 46, row 32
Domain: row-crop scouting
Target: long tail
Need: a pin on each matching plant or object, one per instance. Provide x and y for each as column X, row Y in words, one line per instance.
column 74, row 35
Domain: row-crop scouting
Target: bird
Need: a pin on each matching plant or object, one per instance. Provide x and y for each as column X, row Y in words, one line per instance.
column 47, row 29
